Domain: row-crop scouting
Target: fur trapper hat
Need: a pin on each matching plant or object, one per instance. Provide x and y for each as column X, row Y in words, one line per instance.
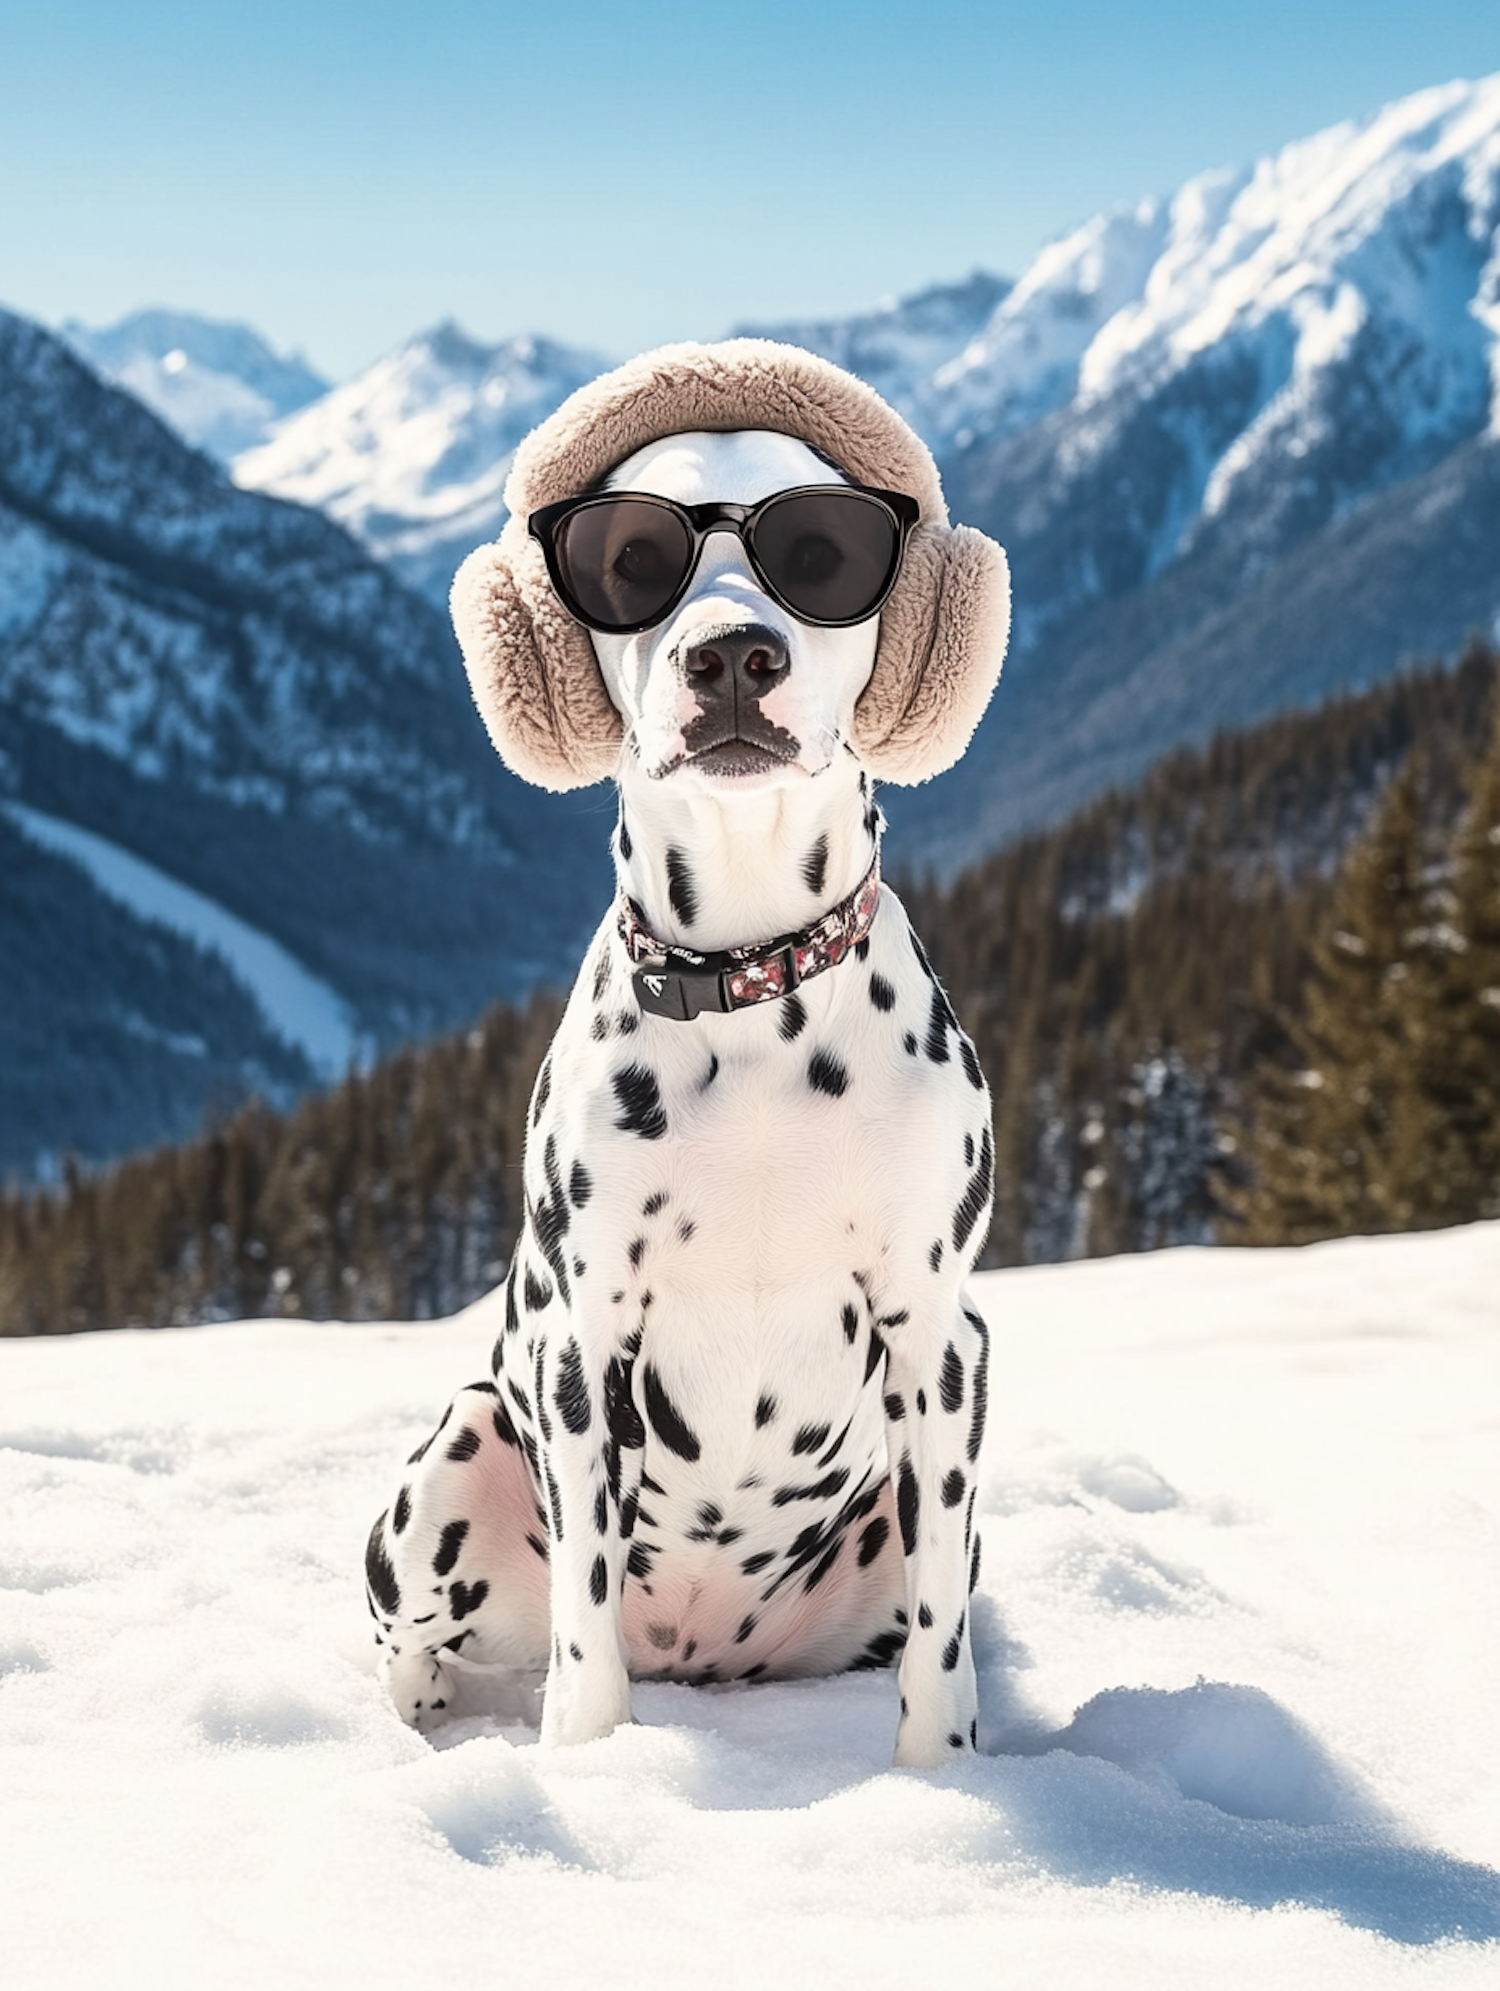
column 942, row 630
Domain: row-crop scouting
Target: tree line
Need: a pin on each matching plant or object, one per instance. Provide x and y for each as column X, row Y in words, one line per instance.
column 1255, row 998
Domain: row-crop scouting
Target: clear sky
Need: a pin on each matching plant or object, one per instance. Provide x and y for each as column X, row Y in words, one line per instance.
column 345, row 172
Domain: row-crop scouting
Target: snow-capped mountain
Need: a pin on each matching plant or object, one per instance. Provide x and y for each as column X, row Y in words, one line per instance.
column 222, row 698
column 1242, row 447
column 904, row 346
column 218, row 384
column 412, row 455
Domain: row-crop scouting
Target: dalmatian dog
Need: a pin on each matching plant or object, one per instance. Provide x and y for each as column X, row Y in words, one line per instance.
column 736, row 1400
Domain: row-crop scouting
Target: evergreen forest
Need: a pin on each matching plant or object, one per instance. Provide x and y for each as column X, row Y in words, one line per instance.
column 1254, row 999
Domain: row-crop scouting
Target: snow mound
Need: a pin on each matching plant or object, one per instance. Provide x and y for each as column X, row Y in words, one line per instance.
column 1273, row 1762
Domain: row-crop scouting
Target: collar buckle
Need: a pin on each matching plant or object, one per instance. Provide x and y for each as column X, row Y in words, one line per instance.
column 668, row 985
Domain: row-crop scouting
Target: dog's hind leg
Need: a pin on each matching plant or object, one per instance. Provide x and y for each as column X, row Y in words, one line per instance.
column 456, row 1572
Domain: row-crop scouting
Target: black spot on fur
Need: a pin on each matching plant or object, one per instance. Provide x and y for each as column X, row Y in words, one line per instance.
column 464, row 1598
column 601, row 1509
column 976, row 1195
column 667, row 1420
column 850, row 1318
column 898, row 1319
column 599, row 1029
column 971, row 1064
column 379, row 1574
column 874, row 1355
column 450, row 1541
column 538, row 1293
column 974, row 1568
column 824, row 1563
column 951, row 1649
column 657, row 1200
column 895, row 1409
column 955, row 1740
column 765, row 1410
column 909, row 1044
column 921, row 1403
column 601, row 975
column 464, row 1446
column 580, row 1185
column 638, row 1562
column 543, row 1090
column 627, row 848
column 924, row 1617
column 810, row 1437
column 793, row 1018
column 747, row 1626
column 682, row 894
column 823, row 1490
column 685, row 1229
column 627, row 1022
column 754, row 1564
column 401, row 1512
column 862, row 949
column 518, row 1396
column 599, row 1580
column 873, row 1540
column 815, row 865
column 711, row 1074
column 908, row 1506
column 624, row 1420
column 935, row 1255
column 571, row 1391
column 937, row 1028
column 554, row 1500
column 881, row 1650
column 951, row 1380
column 637, row 1251
column 881, row 993
column 826, row 1074
column 576, row 1650
column 954, row 1488
column 981, row 1383
column 836, row 1447
column 641, row 1110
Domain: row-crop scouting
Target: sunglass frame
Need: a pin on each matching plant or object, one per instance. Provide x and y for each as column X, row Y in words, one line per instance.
column 701, row 520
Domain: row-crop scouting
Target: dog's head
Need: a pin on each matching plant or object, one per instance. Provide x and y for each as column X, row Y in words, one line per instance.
column 730, row 686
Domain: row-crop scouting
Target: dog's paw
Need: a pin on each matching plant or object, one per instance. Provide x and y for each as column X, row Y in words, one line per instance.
column 575, row 1710
column 921, row 1747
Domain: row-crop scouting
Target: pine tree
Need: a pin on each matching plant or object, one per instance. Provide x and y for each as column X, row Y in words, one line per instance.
column 1462, row 1048
column 1344, row 1145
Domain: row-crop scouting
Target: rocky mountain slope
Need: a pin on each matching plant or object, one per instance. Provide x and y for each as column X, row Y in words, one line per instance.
column 228, row 688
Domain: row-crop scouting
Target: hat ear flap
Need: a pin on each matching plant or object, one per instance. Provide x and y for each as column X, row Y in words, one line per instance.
column 532, row 669
column 942, row 641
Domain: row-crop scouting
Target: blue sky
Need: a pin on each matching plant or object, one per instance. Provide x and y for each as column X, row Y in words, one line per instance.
column 342, row 175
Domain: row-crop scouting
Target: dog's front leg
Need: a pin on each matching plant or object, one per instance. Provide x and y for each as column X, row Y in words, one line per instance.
column 935, row 1407
column 590, row 1452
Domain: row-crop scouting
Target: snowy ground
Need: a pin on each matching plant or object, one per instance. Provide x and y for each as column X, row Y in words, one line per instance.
column 1242, row 1515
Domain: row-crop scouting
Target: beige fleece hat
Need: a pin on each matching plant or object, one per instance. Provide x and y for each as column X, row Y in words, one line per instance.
column 942, row 630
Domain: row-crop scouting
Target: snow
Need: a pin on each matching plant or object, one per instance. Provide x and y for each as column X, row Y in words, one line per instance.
column 218, row 384
column 412, row 455
column 1237, row 1628
column 306, row 1012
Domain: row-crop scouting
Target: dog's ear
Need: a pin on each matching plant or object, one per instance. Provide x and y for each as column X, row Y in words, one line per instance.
column 532, row 668
column 942, row 641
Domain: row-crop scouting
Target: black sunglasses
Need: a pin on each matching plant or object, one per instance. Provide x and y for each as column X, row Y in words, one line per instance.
column 828, row 553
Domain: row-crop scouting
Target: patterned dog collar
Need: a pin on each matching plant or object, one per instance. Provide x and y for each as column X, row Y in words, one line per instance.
column 677, row 983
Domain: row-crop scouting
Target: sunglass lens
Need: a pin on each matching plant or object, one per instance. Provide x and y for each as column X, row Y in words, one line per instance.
column 622, row 561
column 829, row 555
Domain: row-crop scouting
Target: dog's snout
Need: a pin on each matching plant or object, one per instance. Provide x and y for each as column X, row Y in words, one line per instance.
column 753, row 656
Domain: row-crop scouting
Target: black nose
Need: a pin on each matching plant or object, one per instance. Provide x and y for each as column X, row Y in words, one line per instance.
column 752, row 659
